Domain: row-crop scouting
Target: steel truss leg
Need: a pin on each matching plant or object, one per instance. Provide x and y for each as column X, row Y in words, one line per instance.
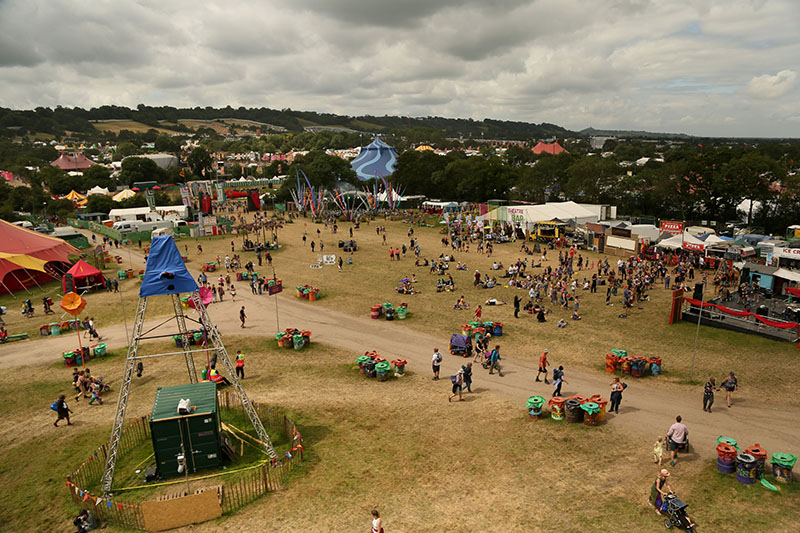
column 122, row 401
column 222, row 354
column 176, row 303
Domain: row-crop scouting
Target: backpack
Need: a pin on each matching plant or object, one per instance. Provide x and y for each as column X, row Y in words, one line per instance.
column 454, row 379
column 54, row 407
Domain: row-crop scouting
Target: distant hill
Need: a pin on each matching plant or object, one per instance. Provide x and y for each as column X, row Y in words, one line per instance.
column 592, row 132
column 86, row 121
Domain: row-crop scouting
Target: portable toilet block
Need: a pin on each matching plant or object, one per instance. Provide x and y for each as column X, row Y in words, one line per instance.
column 196, row 428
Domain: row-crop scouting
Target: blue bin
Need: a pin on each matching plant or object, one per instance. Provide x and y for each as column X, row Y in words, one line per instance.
column 655, row 369
column 498, row 331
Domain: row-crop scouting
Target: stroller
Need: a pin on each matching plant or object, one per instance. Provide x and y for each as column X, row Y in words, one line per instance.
column 460, row 345
column 676, row 514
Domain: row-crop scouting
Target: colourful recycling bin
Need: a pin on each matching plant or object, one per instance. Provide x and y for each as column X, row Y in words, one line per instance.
column 782, row 464
column 382, row 369
column 298, row 341
column 55, row 328
column 591, row 413
column 402, row 312
column 534, row 405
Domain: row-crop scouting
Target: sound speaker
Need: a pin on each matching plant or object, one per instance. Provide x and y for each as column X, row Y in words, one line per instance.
column 745, row 274
column 698, row 291
column 69, row 283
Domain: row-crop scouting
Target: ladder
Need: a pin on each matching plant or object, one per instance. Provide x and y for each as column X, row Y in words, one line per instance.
column 130, row 363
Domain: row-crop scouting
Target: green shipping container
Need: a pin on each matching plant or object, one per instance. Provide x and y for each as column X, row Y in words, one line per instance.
column 198, row 431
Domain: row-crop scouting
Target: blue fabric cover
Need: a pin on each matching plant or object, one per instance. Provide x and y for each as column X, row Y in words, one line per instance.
column 165, row 260
column 375, row 161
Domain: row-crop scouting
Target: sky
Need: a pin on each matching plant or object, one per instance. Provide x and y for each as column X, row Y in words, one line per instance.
column 703, row 67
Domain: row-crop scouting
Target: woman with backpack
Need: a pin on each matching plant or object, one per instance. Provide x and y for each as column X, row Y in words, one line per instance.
column 457, row 381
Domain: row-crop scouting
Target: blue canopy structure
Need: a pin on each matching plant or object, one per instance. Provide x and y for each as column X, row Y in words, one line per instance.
column 376, row 160
column 165, row 272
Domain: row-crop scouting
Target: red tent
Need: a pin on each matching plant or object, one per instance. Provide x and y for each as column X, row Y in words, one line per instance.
column 72, row 162
column 24, row 255
column 84, row 276
column 552, row 148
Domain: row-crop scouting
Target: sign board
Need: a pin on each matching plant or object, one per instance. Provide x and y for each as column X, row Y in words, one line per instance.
column 673, row 228
column 220, row 193
column 275, row 289
column 787, row 253
column 329, row 259
column 692, row 247
column 516, row 214
column 619, row 242
column 313, row 266
column 621, row 232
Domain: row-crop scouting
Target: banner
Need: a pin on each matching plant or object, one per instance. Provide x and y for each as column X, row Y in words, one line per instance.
column 692, row 247
column 673, row 228
column 186, row 196
column 220, row 194
column 151, row 199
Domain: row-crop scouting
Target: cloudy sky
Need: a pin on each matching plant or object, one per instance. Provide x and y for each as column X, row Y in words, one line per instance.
column 703, row 67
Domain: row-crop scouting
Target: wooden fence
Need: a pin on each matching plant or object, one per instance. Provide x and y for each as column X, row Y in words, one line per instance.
column 256, row 480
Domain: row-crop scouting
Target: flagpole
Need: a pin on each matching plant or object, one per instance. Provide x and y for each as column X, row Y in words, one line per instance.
column 697, row 332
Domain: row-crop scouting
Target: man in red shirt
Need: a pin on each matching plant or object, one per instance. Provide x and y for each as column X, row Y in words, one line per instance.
column 543, row 366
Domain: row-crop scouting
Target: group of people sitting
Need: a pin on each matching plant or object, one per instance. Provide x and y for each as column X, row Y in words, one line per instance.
column 445, row 284
column 406, row 285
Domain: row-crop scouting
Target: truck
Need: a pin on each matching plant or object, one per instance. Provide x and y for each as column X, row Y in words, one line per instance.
column 136, row 226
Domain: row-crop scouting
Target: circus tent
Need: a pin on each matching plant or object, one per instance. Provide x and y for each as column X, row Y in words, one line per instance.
column 28, row 258
column 123, row 195
column 375, row 161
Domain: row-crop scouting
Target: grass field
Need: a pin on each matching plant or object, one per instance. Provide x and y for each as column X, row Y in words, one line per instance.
column 130, row 125
column 478, row 465
column 481, row 465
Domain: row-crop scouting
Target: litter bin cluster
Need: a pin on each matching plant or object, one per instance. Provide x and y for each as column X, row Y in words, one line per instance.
column 246, row 276
column 373, row 365
column 636, row 366
column 196, row 337
column 293, row 338
column 750, row 464
column 482, row 328
column 80, row 356
column 308, row 292
column 576, row 409
column 389, row 311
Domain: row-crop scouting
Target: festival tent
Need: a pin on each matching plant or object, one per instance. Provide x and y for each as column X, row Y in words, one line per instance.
column 123, row 195
column 74, row 196
column 688, row 242
column 375, row 161
column 24, row 254
column 77, row 162
column 85, row 276
column 165, row 272
column 548, row 148
column 97, row 190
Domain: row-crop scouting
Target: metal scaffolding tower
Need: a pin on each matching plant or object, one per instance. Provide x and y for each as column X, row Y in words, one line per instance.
column 212, row 337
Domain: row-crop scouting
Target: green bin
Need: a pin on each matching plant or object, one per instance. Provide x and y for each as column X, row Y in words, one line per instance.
column 298, row 341
column 100, row 349
column 55, row 329
column 401, row 313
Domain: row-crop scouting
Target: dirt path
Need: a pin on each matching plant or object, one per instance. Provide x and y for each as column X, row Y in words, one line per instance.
column 647, row 408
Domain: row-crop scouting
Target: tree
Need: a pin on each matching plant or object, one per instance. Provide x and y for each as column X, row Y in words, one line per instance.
column 96, row 175
column 99, row 203
column 167, row 144
column 141, row 169
column 200, row 163
column 414, row 170
column 592, row 180
column 751, row 177
column 125, row 149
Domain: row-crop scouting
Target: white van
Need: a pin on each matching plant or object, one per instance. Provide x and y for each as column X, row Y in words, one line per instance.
column 125, row 226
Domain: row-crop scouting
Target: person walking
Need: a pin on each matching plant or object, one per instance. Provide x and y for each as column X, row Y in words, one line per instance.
column 377, row 522
column 239, row 364
column 478, row 313
column 616, row 395
column 467, row 377
column 731, row 384
column 676, row 437
column 233, row 293
column 494, row 361
column 221, row 292
column 458, row 381
column 242, row 316
column 543, row 367
column 517, row 301
column 436, row 362
column 708, row 394
column 63, row 410
column 558, row 380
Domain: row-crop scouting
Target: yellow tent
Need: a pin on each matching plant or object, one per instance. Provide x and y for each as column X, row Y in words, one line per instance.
column 74, row 196
column 123, row 195
column 424, row 148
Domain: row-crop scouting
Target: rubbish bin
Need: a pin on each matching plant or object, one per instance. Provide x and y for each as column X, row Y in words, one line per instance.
column 466, row 329
column 655, row 365
column 279, row 337
column 100, row 349
column 44, row 330
column 389, row 313
column 298, row 341
column 782, row 464
column 746, row 468
column 626, row 364
column 620, row 353
column 591, row 413
column 312, row 295
column 369, row 368
column 69, row 359
column 556, row 404
column 729, row 441
column 400, row 366
column 638, row 365
column 573, row 413
column 534, row 405
column 726, row 458
column 55, row 329
column 602, row 403
column 611, row 362
column 401, row 312
column 761, row 457
column 360, row 361
column 382, row 370
column 498, row 329
column 375, row 311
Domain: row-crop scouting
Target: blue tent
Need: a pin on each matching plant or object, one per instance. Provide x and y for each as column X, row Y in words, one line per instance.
column 376, row 160
column 165, row 272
